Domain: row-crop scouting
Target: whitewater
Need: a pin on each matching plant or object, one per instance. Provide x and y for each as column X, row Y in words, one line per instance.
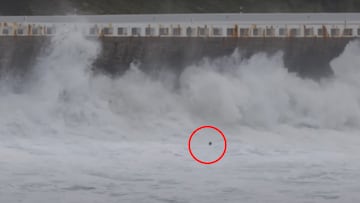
column 68, row 134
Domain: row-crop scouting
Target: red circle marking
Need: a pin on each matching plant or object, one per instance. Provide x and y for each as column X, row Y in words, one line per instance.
column 198, row 129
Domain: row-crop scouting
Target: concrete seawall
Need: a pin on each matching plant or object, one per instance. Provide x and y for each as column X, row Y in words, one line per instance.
column 309, row 57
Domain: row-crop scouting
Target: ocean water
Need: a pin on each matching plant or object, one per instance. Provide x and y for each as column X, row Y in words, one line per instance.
column 67, row 135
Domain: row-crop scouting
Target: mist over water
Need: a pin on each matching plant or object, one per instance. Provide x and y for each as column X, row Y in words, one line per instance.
column 62, row 94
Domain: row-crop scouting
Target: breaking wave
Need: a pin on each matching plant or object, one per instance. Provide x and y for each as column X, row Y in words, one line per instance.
column 63, row 96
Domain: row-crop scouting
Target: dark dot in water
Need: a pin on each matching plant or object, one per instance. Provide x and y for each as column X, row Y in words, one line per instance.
column 210, row 143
